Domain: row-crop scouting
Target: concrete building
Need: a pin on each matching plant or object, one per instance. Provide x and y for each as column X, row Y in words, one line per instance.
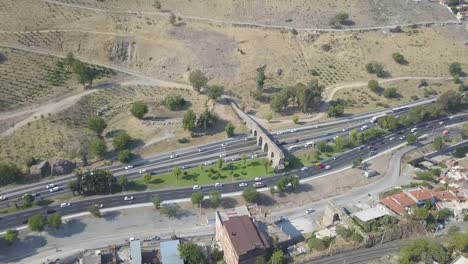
column 240, row 239
column 135, row 251
column 170, row 252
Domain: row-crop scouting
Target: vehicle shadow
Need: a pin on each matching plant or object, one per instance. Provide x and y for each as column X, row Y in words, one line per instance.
column 69, row 229
column 26, row 246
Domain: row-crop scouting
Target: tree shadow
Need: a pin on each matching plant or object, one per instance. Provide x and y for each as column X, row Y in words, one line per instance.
column 184, row 213
column 348, row 23
column 228, row 202
column 271, row 90
column 69, row 229
column 191, row 176
column 110, row 216
column 138, row 186
column 266, row 200
column 25, row 247
column 113, row 133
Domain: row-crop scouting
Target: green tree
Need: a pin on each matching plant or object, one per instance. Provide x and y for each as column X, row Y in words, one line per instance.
column 215, row 198
column 123, row 181
column 295, row 119
column 157, row 4
column 416, row 250
column 390, row 92
column 173, row 102
column 411, row 138
column 139, row 109
column 344, row 232
column 335, row 110
column 220, row 164
column 356, row 237
column 459, row 242
column 190, row 120
column 338, row 19
column 97, row 124
column 244, row 159
column 54, row 221
column 156, row 200
column 229, row 129
column 389, row 123
column 94, row 210
column 11, row 236
column 268, row 117
column 317, row 244
column 98, row 147
column 357, row 162
column 279, row 101
column 28, row 200
column 176, row 172
column 147, row 178
column 282, row 184
column 197, row 198
column 455, row 69
column 206, row 119
column 198, row 80
column 438, row 143
column 260, row 260
column 444, row 214
column 278, row 257
column 125, row 156
column 74, row 187
column 192, row 253
column 121, row 141
column 377, row 68
column 398, row 58
column 250, row 194
column 37, row 223
column 94, row 182
column 261, row 77
column 373, row 85
column 214, row 92
column 294, row 181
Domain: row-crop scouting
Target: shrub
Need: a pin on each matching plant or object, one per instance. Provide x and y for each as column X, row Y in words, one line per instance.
column 373, row 85
column 455, row 69
column 197, row 79
column 139, row 109
column 121, row 141
column 398, row 58
column 374, row 67
column 173, row 102
column 98, row 147
column 390, row 92
column 125, row 156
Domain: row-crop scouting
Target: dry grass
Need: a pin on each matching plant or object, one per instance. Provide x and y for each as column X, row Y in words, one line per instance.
column 362, row 99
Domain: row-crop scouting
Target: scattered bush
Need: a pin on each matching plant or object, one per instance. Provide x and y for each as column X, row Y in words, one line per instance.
column 377, row 68
column 398, row 58
column 390, row 92
column 125, row 156
column 173, row 102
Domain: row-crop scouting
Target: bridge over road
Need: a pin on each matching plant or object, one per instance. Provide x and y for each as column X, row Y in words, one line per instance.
column 274, row 153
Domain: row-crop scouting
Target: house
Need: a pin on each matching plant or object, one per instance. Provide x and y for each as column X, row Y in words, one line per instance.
column 240, row 239
column 135, row 251
column 40, row 170
column 371, row 214
column 170, row 252
column 398, row 203
column 421, row 197
column 461, row 260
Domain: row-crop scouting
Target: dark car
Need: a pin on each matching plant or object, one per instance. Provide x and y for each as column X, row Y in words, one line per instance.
column 51, row 211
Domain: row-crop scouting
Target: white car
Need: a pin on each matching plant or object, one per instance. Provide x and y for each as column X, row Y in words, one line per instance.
column 327, row 167
column 402, row 137
column 206, row 163
column 441, row 122
column 279, row 133
column 309, row 211
column 173, row 156
column 293, row 130
column 201, row 150
column 254, row 156
column 218, row 184
column 142, row 171
column 257, row 179
column 50, row 185
column 392, row 138
column 222, row 155
column 258, row 185
column 196, row 187
column 345, row 129
column 128, row 198
column 243, row 184
column 364, row 127
column 335, row 137
column 224, row 145
column 99, row 205
column 304, row 168
column 62, row 205
column 128, row 167
column 54, row 189
column 3, row 198
column 235, row 158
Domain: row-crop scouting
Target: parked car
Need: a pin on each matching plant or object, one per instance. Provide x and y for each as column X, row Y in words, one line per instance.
column 242, row 184
column 128, row 198
column 196, row 187
column 62, row 205
column 257, row 179
column 218, row 184
column 309, row 211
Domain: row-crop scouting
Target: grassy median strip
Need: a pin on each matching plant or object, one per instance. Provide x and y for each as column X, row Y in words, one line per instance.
column 205, row 175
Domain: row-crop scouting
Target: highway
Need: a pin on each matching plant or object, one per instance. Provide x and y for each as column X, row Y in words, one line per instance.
column 342, row 160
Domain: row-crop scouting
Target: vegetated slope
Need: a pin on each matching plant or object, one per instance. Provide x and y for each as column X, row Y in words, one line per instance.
column 292, row 13
column 28, row 78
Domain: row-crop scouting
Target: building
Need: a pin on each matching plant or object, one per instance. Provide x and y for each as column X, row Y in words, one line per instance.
column 371, row 214
column 421, row 197
column 398, row 203
column 240, row 239
column 135, row 251
column 461, row 260
column 170, row 252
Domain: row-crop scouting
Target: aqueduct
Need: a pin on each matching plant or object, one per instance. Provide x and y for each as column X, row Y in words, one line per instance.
column 264, row 140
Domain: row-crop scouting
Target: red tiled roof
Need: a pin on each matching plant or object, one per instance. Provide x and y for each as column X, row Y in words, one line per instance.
column 445, row 196
column 244, row 235
column 402, row 199
column 421, row 195
column 388, row 202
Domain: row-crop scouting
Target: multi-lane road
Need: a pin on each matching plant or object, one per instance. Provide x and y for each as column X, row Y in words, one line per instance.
column 369, row 148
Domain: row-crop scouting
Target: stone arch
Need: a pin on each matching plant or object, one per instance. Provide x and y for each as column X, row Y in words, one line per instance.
column 272, row 154
column 265, row 147
column 336, row 218
column 260, row 141
column 255, row 133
